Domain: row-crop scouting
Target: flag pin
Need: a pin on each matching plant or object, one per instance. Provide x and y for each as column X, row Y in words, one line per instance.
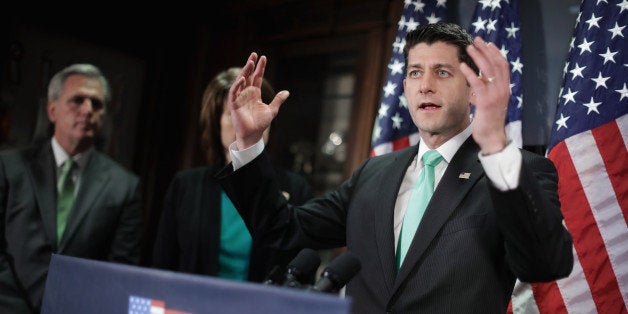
column 464, row 175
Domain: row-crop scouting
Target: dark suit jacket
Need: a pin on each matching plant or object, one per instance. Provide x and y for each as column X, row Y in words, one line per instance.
column 104, row 223
column 188, row 239
column 472, row 242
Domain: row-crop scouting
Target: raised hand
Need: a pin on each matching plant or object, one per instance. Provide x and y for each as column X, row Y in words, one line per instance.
column 490, row 95
column 249, row 115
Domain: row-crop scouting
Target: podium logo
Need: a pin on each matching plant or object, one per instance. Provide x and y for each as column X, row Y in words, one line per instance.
column 141, row 305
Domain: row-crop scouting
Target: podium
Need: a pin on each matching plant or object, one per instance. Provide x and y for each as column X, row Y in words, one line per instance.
column 77, row 285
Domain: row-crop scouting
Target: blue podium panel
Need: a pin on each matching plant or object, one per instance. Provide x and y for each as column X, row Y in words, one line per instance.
column 76, row 285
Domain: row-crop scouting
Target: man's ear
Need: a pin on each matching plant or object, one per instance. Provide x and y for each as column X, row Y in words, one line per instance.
column 50, row 109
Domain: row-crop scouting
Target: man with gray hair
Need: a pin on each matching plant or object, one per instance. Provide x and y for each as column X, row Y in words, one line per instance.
column 63, row 196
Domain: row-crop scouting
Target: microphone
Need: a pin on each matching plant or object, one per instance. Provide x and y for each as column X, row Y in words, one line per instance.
column 301, row 268
column 338, row 273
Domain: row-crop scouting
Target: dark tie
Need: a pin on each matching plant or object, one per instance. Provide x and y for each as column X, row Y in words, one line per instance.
column 420, row 197
column 65, row 196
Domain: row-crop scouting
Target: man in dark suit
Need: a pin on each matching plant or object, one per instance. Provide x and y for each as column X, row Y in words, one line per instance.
column 494, row 215
column 94, row 211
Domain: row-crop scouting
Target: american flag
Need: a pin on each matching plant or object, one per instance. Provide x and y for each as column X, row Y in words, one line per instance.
column 142, row 305
column 588, row 146
column 393, row 127
column 498, row 22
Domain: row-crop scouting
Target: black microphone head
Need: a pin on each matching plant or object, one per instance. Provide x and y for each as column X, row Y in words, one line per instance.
column 304, row 265
column 342, row 269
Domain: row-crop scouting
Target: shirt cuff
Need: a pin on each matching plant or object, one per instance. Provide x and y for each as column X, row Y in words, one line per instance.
column 240, row 158
column 503, row 168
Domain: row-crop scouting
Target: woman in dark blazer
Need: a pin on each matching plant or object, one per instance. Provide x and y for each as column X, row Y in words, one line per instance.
column 200, row 231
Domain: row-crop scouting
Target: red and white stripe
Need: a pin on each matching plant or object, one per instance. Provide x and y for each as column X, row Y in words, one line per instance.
column 593, row 189
column 394, row 145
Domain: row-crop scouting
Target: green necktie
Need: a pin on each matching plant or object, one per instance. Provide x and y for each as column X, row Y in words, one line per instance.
column 65, row 196
column 420, row 197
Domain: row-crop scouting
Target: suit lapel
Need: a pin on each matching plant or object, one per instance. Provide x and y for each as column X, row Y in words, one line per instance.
column 93, row 181
column 447, row 196
column 43, row 175
column 385, row 205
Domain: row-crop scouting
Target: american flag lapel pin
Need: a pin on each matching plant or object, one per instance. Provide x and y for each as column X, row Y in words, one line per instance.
column 464, row 175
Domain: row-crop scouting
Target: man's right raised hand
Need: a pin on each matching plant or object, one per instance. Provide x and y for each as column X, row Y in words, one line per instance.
column 249, row 114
